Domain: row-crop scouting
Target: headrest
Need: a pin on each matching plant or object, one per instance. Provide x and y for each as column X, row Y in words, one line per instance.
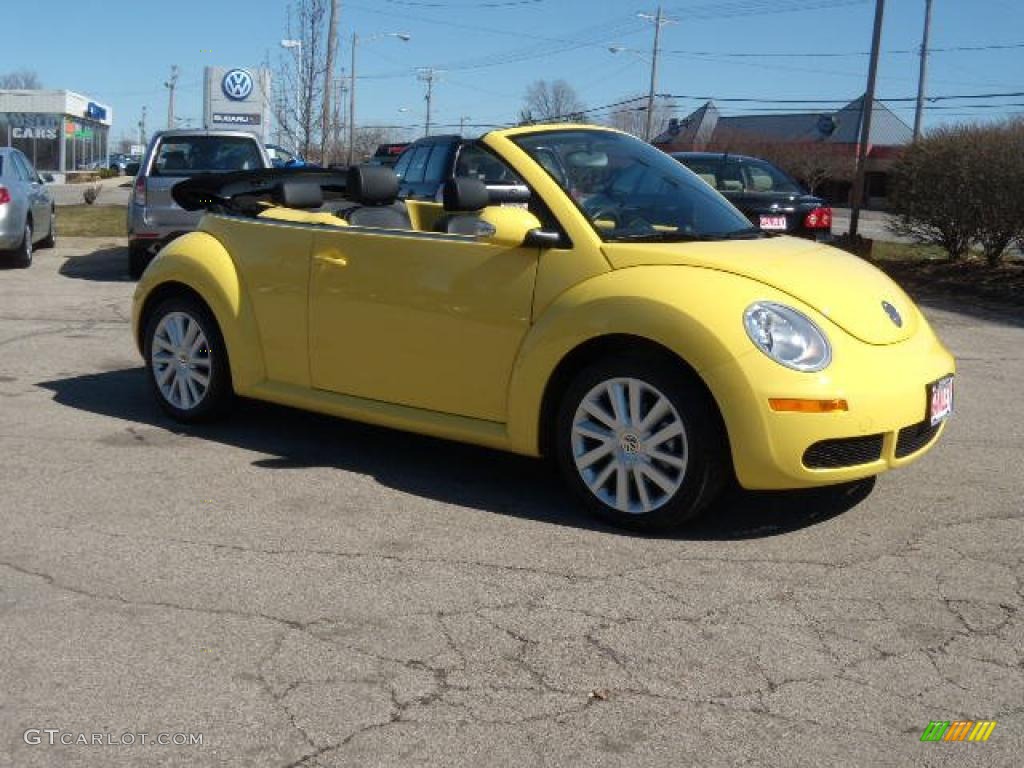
column 300, row 194
column 372, row 184
column 464, row 193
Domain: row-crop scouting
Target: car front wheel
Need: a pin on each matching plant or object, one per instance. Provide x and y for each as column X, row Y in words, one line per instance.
column 187, row 360
column 640, row 444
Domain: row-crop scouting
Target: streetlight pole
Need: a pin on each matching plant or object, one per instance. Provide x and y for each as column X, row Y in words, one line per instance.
column 405, row 38
column 170, row 85
column 867, row 108
column 919, row 111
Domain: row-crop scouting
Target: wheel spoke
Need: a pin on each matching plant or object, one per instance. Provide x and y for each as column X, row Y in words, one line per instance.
column 165, row 375
column 590, row 457
column 199, row 378
column 641, row 488
column 191, row 335
column 193, row 391
column 658, row 477
column 621, row 488
column 593, row 431
column 599, row 482
column 618, row 400
column 158, row 341
column 594, row 409
column 634, row 402
column 667, row 458
column 673, row 429
column 658, row 411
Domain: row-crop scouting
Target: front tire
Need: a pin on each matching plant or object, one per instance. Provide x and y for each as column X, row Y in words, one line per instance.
column 640, row 444
column 51, row 239
column 187, row 360
column 22, row 255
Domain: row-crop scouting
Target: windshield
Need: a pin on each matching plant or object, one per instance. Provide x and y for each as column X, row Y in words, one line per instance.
column 629, row 190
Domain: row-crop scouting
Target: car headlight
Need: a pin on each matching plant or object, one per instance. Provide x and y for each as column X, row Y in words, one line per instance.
column 787, row 336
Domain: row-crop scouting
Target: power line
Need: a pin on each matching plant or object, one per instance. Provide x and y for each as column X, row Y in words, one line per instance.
column 837, row 55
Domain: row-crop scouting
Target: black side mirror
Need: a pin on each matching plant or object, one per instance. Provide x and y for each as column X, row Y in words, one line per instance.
column 542, row 238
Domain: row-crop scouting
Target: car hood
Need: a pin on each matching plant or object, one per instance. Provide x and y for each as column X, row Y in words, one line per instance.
column 842, row 287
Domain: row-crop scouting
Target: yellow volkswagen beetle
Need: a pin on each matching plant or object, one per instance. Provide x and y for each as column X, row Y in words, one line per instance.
column 627, row 322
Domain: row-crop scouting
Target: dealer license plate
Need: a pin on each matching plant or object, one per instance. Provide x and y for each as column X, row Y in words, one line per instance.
column 773, row 223
column 940, row 400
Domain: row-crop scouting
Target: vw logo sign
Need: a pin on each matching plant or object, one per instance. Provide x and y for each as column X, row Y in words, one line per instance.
column 893, row 314
column 237, row 85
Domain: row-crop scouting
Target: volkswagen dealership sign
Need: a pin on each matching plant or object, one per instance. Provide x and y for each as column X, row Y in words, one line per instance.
column 238, row 98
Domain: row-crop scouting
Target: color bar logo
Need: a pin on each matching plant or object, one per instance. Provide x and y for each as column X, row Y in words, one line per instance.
column 958, row 730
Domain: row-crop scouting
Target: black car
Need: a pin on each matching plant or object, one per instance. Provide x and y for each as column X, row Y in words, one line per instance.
column 426, row 164
column 768, row 197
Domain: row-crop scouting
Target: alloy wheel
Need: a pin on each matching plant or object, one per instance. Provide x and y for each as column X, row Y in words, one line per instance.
column 629, row 445
column 181, row 360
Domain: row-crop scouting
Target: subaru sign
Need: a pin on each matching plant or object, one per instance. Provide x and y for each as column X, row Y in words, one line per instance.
column 237, row 85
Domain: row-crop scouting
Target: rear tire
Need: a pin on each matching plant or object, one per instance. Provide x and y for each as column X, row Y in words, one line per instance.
column 138, row 260
column 187, row 360
column 640, row 444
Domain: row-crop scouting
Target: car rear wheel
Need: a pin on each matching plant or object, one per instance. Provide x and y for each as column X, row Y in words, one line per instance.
column 639, row 443
column 187, row 360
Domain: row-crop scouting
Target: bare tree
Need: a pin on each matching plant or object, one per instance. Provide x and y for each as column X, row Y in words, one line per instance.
column 22, row 79
column 332, row 51
column 547, row 102
column 631, row 116
column 299, row 96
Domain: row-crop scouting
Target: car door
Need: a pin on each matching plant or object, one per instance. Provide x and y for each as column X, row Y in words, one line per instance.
column 38, row 198
column 426, row 320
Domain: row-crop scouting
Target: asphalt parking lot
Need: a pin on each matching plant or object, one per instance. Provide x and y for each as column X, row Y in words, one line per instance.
column 305, row 591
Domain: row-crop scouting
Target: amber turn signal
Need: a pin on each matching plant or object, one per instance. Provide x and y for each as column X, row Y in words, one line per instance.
column 794, row 405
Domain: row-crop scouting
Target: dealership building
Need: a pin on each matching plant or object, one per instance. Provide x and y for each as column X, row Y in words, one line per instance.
column 59, row 131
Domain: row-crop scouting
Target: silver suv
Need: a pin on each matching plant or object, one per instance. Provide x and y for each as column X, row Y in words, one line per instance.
column 154, row 218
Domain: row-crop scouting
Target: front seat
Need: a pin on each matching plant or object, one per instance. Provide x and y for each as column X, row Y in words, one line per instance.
column 375, row 189
column 463, row 198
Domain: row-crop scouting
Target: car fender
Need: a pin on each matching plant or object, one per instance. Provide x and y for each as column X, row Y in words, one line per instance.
column 200, row 262
column 695, row 313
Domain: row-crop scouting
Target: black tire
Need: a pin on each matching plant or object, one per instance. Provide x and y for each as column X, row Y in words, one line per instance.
column 703, row 445
column 51, row 239
column 219, row 393
column 22, row 255
column 138, row 260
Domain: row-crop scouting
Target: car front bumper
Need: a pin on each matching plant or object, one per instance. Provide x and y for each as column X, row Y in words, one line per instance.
column 885, row 426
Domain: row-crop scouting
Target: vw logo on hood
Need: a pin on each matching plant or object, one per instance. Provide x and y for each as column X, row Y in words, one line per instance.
column 893, row 314
column 237, row 85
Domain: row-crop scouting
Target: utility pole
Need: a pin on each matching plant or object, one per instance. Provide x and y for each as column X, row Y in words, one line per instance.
column 659, row 21
column 352, row 101
column 428, row 76
column 462, row 123
column 332, row 49
column 142, row 128
column 170, row 85
column 919, row 112
column 867, row 107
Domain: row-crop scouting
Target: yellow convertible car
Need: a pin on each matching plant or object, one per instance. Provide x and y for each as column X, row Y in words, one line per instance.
column 627, row 322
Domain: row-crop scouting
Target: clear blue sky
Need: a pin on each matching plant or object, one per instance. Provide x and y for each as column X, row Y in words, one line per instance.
column 120, row 51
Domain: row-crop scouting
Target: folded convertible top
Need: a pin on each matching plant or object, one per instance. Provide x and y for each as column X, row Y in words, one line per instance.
column 211, row 190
